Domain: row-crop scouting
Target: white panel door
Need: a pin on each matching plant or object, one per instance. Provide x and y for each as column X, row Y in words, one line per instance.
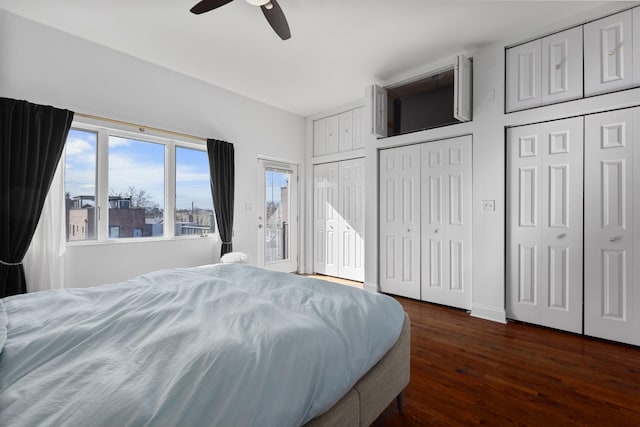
column 351, row 225
column 463, row 88
column 446, row 197
column 636, row 46
column 333, row 134
column 345, row 138
column 325, row 219
column 378, row 111
column 612, row 303
column 608, row 54
column 523, row 76
column 399, row 215
column 358, row 140
column 544, row 237
column 320, row 137
column 562, row 66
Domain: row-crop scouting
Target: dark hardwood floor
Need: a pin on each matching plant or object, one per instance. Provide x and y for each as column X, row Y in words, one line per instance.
column 468, row 371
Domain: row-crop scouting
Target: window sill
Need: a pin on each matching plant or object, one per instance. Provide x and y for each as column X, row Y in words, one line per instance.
column 135, row 240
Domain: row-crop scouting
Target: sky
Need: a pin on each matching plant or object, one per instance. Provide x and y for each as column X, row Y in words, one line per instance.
column 275, row 180
column 140, row 164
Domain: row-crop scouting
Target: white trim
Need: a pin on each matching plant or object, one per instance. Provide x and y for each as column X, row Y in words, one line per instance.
column 489, row 313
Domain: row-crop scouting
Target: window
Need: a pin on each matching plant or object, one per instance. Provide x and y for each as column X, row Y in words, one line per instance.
column 136, row 187
column 194, row 206
column 120, row 186
column 80, row 184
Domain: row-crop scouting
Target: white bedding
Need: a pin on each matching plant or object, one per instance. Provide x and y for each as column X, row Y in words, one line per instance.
column 221, row 345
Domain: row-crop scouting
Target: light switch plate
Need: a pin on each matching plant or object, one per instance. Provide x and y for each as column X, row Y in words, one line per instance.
column 488, row 206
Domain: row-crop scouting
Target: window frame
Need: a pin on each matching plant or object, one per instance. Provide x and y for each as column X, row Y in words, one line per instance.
column 121, row 130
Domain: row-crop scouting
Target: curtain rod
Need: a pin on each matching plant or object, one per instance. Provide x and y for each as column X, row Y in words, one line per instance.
column 142, row 128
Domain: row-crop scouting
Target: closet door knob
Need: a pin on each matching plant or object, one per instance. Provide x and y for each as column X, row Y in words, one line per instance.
column 562, row 235
column 613, row 52
column 615, row 238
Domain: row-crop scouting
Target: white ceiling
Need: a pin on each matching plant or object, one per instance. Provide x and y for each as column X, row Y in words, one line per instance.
column 336, row 48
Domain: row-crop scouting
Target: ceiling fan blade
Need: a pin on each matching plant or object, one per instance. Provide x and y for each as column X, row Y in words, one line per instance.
column 207, row 5
column 277, row 20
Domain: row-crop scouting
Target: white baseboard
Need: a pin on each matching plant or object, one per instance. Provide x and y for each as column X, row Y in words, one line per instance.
column 489, row 313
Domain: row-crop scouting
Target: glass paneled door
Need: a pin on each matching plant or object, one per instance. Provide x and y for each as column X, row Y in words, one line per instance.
column 278, row 216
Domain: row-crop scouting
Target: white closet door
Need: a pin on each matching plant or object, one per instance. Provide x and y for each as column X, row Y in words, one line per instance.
column 400, row 221
column 562, row 66
column 636, row 46
column 611, row 288
column 351, row 227
column 326, row 219
column 358, row 130
column 345, row 138
column 446, row 198
column 523, row 76
column 320, row 137
column 333, row 134
column 608, row 54
column 544, row 189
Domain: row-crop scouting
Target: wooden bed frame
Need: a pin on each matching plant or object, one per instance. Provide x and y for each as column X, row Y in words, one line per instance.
column 370, row 396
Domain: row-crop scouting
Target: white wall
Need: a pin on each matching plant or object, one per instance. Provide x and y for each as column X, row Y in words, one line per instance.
column 489, row 168
column 47, row 66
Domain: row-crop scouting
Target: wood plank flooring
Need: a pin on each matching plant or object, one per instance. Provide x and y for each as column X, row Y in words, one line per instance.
column 468, row 371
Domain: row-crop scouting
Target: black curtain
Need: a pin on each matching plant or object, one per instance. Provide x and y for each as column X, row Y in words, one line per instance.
column 31, row 141
column 222, row 171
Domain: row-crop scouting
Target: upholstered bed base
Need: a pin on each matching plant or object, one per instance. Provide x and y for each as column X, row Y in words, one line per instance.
column 375, row 390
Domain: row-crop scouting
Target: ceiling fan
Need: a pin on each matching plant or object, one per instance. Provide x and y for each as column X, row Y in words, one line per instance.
column 270, row 8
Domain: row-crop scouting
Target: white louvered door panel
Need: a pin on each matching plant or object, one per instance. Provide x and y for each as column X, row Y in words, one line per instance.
column 446, row 197
column 544, row 238
column 351, row 227
column 326, row 219
column 562, row 66
column 523, row 76
column 399, row 214
column 611, row 288
column 608, row 54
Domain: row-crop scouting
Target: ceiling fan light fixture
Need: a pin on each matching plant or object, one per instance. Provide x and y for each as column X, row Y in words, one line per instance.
column 259, row 2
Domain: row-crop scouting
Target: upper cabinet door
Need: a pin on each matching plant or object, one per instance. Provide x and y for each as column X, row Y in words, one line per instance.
column 608, row 54
column 358, row 140
column 562, row 66
column 636, row 46
column 462, row 108
column 320, row 137
column 346, row 131
column 523, row 76
column 333, row 132
column 379, row 111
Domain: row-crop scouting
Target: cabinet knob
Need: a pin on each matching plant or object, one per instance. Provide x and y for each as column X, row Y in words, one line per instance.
column 408, row 230
column 558, row 66
column 436, row 230
column 613, row 52
column 562, row 235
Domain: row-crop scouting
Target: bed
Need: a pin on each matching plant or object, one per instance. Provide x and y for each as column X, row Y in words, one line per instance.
column 225, row 344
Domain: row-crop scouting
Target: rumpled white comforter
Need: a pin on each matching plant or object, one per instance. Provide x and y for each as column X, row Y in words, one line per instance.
column 220, row 345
